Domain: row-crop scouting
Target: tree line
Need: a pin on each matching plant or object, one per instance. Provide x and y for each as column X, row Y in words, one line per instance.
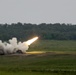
column 24, row 31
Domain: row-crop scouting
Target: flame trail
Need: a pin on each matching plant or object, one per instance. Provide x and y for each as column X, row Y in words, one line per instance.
column 31, row 41
column 13, row 46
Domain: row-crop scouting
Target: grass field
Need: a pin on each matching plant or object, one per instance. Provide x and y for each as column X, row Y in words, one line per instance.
column 54, row 45
column 58, row 58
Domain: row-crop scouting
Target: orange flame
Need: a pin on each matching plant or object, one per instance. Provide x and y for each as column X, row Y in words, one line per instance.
column 31, row 41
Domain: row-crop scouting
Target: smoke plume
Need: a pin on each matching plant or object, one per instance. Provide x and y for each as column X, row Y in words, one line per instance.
column 13, row 46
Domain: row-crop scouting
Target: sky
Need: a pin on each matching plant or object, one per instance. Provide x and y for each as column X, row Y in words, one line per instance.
column 38, row 11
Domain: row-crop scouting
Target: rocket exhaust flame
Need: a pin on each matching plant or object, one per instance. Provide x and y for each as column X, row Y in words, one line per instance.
column 31, row 41
column 13, row 46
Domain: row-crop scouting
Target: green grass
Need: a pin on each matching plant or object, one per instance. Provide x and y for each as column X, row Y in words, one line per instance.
column 36, row 73
column 25, row 73
column 61, row 60
column 54, row 45
column 54, row 64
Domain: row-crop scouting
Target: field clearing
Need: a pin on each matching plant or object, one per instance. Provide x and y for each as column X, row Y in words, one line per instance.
column 44, row 57
column 54, row 46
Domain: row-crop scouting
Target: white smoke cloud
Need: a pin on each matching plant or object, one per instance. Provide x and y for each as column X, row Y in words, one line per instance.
column 13, row 46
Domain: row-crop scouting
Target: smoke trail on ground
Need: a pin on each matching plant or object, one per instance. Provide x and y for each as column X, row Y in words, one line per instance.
column 13, row 46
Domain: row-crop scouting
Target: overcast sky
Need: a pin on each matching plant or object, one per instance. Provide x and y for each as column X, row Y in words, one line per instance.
column 38, row 11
